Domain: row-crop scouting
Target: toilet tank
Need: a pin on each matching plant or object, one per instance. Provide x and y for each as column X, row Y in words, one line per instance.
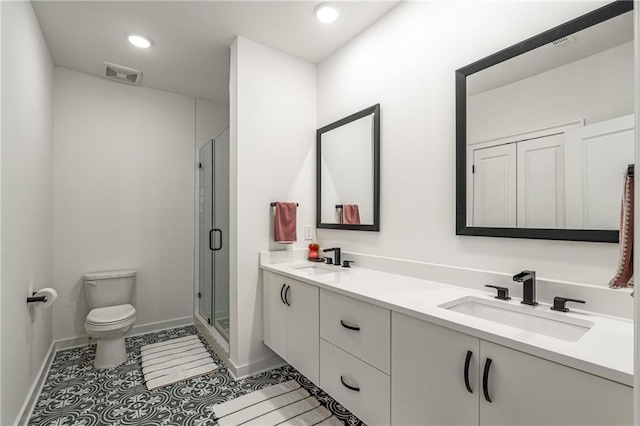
column 109, row 288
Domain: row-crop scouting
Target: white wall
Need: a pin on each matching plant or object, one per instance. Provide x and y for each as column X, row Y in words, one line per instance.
column 273, row 123
column 27, row 171
column 406, row 62
column 123, row 195
column 595, row 88
column 636, row 217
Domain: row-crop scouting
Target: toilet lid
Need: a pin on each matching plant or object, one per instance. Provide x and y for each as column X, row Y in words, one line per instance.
column 110, row 314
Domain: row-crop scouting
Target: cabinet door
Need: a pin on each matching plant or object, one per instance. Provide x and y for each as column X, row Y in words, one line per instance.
column 527, row 390
column 428, row 374
column 274, row 314
column 303, row 325
column 494, row 186
column 596, row 157
column 541, row 201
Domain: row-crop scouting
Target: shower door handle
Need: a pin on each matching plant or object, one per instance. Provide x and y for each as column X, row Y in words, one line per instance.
column 211, row 239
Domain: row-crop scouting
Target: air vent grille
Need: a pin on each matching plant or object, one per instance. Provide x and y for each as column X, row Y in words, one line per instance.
column 122, row 74
column 564, row 41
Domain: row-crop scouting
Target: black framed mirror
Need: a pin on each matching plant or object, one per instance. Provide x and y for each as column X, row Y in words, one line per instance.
column 545, row 132
column 348, row 172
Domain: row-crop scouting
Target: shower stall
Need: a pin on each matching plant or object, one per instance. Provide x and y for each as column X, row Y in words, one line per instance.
column 213, row 292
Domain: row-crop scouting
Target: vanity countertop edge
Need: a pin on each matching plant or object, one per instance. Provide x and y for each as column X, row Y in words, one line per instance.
column 605, row 351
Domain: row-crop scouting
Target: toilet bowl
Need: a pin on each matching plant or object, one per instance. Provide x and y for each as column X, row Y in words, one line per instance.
column 108, row 326
column 110, row 297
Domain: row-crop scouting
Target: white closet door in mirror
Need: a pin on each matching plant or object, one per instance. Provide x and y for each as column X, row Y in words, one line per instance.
column 540, row 186
column 596, row 158
column 494, row 186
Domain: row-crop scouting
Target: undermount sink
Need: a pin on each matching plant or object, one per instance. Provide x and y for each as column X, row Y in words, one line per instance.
column 525, row 317
column 317, row 269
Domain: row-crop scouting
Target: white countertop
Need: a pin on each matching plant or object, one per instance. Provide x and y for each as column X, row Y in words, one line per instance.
column 606, row 350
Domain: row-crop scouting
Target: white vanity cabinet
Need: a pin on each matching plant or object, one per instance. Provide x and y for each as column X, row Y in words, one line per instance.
column 355, row 356
column 291, row 322
column 428, row 386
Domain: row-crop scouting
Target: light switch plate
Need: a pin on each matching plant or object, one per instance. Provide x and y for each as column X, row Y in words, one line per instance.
column 308, row 232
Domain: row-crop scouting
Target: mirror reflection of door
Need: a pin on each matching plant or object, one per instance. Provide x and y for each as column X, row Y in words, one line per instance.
column 549, row 133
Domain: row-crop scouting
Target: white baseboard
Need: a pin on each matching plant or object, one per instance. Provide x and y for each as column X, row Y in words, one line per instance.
column 241, row 371
column 135, row 331
column 36, row 387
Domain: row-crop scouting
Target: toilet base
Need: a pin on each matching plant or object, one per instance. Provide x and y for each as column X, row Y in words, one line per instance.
column 110, row 353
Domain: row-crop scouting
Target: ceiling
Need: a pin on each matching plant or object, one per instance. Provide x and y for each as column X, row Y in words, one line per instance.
column 191, row 39
column 590, row 41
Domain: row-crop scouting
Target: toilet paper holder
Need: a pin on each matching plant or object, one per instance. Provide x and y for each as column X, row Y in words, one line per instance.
column 36, row 299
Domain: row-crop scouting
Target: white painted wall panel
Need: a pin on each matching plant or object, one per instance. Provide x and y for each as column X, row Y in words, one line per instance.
column 123, row 191
column 273, row 124
column 27, row 204
column 406, row 62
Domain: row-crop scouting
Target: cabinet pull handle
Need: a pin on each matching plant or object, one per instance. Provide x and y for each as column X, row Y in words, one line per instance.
column 350, row 327
column 281, row 296
column 286, row 299
column 485, row 379
column 355, row 389
column 467, row 362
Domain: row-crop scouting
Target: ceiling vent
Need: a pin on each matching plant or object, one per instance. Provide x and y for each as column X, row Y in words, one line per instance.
column 564, row 41
column 122, row 74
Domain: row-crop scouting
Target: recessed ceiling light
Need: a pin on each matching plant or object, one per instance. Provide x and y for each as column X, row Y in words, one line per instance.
column 326, row 13
column 139, row 41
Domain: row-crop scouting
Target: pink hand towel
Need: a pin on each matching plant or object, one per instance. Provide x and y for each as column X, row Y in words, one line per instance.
column 286, row 223
column 624, row 275
column 350, row 214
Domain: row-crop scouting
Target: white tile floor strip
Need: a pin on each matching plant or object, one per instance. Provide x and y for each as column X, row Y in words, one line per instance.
column 285, row 403
column 175, row 360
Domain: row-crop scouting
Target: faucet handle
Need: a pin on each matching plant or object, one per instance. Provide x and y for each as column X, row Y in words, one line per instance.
column 560, row 302
column 329, row 260
column 347, row 263
column 503, row 292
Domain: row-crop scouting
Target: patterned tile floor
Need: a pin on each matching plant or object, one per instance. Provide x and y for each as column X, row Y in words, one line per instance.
column 76, row 394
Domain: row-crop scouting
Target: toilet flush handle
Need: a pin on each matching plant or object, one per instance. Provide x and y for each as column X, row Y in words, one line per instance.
column 93, row 283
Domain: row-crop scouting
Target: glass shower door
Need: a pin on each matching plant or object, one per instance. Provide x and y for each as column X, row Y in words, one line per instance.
column 220, row 301
column 214, row 232
column 205, row 278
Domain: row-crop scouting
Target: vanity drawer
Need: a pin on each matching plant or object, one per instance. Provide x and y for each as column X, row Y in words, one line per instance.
column 371, row 402
column 359, row 328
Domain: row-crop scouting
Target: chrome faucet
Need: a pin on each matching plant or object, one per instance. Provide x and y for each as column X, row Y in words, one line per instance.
column 337, row 255
column 528, row 279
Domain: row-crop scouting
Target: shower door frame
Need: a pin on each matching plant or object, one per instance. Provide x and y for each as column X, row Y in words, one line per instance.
column 213, row 269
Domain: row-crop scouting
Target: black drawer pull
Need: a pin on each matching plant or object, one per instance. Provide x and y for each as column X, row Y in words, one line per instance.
column 286, row 299
column 485, row 379
column 355, row 389
column 350, row 327
column 281, row 296
column 467, row 362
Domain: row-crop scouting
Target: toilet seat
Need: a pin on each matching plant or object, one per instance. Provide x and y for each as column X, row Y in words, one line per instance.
column 111, row 316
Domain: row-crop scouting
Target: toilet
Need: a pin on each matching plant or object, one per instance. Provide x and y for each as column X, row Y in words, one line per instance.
column 110, row 297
